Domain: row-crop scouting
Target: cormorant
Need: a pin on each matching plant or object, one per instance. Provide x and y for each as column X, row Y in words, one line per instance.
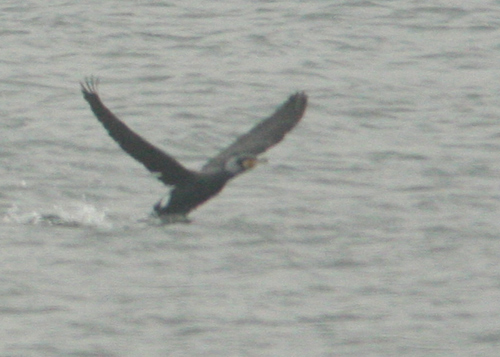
column 192, row 188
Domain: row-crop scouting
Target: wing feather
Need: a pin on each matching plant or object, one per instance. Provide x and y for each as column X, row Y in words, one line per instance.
column 264, row 135
column 166, row 168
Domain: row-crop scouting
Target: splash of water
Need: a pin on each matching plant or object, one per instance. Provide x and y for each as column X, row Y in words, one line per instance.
column 70, row 215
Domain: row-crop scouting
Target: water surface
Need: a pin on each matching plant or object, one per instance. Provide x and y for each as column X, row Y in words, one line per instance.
column 372, row 231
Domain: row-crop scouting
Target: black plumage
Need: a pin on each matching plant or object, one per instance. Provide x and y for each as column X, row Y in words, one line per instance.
column 192, row 188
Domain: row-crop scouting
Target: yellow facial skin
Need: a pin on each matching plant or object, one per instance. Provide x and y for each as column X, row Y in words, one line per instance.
column 252, row 162
column 249, row 163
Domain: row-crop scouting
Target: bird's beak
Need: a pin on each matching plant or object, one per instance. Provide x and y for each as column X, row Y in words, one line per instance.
column 252, row 162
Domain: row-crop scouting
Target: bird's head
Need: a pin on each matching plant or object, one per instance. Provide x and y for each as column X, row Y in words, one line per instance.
column 239, row 164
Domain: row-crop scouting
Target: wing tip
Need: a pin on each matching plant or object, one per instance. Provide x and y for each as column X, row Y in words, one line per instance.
column 89, row 85
column 299, row 100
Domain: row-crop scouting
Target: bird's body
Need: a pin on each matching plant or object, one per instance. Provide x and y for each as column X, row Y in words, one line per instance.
column 186, row 196
column 192, row 188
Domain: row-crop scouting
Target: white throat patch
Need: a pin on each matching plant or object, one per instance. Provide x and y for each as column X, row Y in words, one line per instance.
column 233, row 165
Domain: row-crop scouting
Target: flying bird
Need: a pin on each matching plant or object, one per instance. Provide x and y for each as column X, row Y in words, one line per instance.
column 192, row 188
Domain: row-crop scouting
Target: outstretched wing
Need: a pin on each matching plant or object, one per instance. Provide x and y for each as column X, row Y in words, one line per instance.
column 169, row 170
column 267, row 133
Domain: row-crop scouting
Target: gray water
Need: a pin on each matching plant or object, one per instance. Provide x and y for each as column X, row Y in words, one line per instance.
column 373, row 231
